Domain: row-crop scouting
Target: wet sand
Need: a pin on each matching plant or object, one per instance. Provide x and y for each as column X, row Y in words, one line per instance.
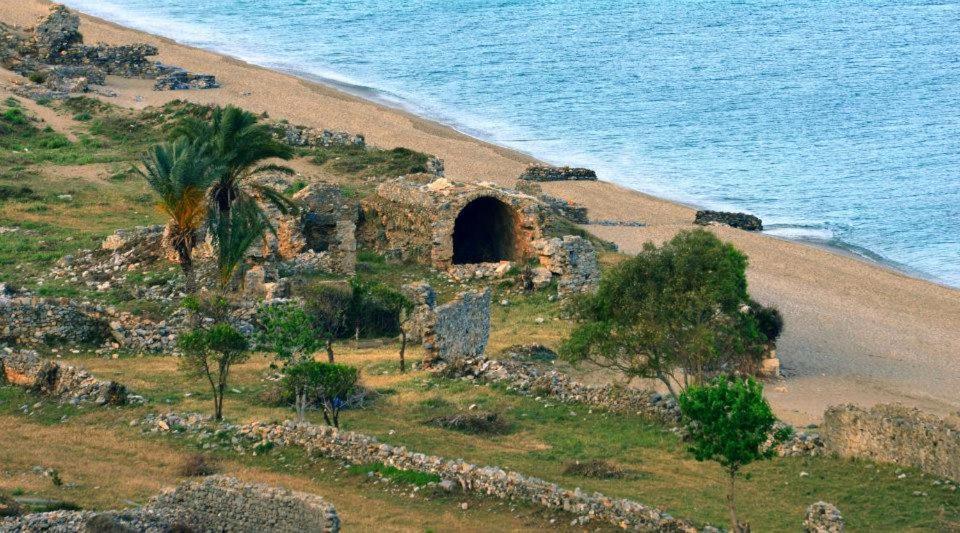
column 855, row 332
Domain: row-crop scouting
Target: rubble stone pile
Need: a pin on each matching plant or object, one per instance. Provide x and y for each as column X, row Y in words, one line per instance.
column 551, row 173
column 49, row 378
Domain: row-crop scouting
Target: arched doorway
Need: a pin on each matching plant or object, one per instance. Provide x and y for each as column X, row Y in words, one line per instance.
column 485, row 232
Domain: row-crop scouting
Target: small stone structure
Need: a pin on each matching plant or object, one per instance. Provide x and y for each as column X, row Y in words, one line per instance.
column 49, row 378
column 215, row 503
column 573, row 260
column 424, row 299
column 823, row 517
column 435, row 221
column 894, row 434
column 31, row 321
column 551, row 173
column 734, row 220
column 56, row 43
column 493, row 481
column 458, row 329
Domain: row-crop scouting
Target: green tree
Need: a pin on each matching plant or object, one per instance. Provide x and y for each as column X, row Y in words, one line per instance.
column 209, row 354
column 180, row 172
column 238, row 144
column 676, row 313
column 729, row 421
column 329, row 385
column 287, row 331
column 327, row 304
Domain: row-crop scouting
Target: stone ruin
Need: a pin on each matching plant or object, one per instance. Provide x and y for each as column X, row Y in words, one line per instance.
column 66, row 383
column 473, row 231
column 552, row 173
column 458, row 329
column 734, row 220
column 54, row 55
column 215, row 503
column 307, row 137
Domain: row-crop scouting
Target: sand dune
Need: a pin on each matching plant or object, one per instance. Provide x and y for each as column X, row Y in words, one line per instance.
column 856, row 332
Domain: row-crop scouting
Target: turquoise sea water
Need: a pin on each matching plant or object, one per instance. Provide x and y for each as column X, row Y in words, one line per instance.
column 834, row 121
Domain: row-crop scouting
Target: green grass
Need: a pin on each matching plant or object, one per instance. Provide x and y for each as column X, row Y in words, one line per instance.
column 368, row 161
column 411, row 477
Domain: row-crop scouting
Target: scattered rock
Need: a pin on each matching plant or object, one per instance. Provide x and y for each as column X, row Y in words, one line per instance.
column 735, row 220
column 823, row 517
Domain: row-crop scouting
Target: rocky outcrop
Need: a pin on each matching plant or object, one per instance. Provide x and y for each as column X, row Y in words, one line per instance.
column 492, row 481
column 823, row 517
column 551, row 173
column 215, row 503
column 63, row 382
column 181, row 80
column 307, row 137
column 894, row 434
column 459, row 329
column 735, row 220
column 573, row 260
column 56, row 34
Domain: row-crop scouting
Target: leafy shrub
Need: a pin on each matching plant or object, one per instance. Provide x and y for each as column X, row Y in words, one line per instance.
column 197, row 465
column 329, row 385
column 15, row 115
column 82, row 116
column 9, row 506
column 473, row 422
column 597, row 469
column 209, row 354
column 287, row 331
column 8, row 192
column 769, row 320
column 37, row 77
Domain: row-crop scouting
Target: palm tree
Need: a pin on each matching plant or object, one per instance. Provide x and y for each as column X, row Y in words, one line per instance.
column 234, row 232
column 238, row 144
column 180, row 173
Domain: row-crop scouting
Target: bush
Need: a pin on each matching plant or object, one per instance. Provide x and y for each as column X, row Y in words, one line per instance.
column 197, row 465
column 474, row 423
column 597, row 469
column 82, row 116
column 769, row 320
column 37, row 77
column 15, row 115
column 330, row 385
column 287, row 331
column 9, row 506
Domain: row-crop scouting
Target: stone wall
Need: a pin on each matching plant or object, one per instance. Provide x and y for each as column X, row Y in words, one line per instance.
column 307, row 137
column 49, row 378
column 573, row 260
column 894, row 434
column 33, row 321
column 493, row 481
column 215, row 503
column 551, row 173
column 460, row 328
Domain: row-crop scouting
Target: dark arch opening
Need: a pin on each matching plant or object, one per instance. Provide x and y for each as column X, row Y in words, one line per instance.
column 484, row 232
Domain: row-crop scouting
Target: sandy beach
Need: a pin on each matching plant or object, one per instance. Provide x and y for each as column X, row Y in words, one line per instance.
column 855, row 332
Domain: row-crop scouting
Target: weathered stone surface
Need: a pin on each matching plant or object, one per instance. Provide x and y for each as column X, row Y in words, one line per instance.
column 573, row 259
column 551, row 173
column 216, row 503
column 304, row 136
column 181, row 80
column 491, row 481
column 66, row 383
column 823, row 517
column 414, row 218
column 735, row 220
column 894, row 434
column 31, row 321
column 73, row 79
column 56, row 33
column 424, row 300
column 575, row 212
column 460, row 329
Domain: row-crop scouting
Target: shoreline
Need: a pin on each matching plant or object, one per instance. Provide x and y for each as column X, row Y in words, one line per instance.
column 857, row 331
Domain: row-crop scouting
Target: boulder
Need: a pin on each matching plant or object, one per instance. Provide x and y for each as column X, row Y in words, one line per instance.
column 823, row 517
column 734, row 220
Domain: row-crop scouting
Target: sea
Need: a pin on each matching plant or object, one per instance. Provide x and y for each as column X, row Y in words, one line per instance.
column 837, row 122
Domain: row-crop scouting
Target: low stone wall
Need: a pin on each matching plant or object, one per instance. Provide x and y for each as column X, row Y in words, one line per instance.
column 573, row 260
column 550, row 173
column 67, row 383
column 216, row 503
column 894, row 434
column 490, row 480
column 31, row 321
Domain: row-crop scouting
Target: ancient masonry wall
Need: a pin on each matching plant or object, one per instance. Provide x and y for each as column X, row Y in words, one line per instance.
column 490, row 480
column 894, row 434
column 411, row 220
column 459, row 329
column 49, row 378
column 215, row 503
